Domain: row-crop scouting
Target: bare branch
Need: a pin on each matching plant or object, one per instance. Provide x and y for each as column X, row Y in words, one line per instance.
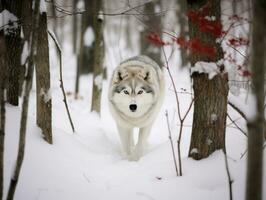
column 181, row 119
column 66, row 12
column 238, row 110
column 171, row 141
column 230, row 181
column 61, row 80
column 238, row 127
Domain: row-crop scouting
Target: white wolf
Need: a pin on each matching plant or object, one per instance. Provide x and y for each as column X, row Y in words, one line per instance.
column 136, row 94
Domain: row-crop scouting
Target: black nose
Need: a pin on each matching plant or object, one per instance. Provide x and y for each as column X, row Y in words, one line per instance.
column 133, row 107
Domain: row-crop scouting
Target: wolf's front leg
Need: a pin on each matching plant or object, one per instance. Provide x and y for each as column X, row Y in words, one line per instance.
column 142, row 142
column 126, row 138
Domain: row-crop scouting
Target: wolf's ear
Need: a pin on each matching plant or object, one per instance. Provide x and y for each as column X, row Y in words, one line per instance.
column 147, row 76
column 118, row 77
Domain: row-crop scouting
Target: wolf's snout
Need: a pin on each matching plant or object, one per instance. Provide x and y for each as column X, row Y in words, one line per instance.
column 133, row 107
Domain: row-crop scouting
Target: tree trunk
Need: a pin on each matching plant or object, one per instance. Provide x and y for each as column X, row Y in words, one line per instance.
column 2, row 131
column 182, row 20
column 28, row 85
column 98, row 58
column 210, row 106
column 14, row 50
column 2, row 107
column 43, row 93
column 85, row 53
column 75, row 27
column 152, row 25
column 128, row 31
column 256, row 124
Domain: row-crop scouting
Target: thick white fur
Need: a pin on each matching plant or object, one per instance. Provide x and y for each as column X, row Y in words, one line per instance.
column 132, row 75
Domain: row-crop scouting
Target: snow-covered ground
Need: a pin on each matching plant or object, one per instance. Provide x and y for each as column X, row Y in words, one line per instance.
column 89, row 165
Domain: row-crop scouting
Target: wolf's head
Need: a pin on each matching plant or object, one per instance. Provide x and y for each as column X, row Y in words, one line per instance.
column 133, row 93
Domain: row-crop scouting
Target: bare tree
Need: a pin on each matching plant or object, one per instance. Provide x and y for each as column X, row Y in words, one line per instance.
column 14, row 49
column 210, row 107
column 28, row 85
column 75, row 27
column 2, row 128
column 152, row 26
column 43, row 93
column 182, row 21
column 98, row 56
column 256, row 123
column 2, row 106
column 86, row 51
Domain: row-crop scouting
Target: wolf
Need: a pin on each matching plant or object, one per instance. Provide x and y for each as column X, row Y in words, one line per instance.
column 135, row 96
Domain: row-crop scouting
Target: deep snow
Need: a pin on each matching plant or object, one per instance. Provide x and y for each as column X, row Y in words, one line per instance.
column 89, row 164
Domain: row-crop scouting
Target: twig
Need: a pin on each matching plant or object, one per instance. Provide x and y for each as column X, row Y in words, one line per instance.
column 238, row 127
column 240, row 53
column 173, row 83
column 238, row 110
column 181, row 119
column 61, row 79
column 10, row 22
column 243, row 154
column 171, row 141
column 66, row 12
column 230, row 181
column 86, row 178
column 226, row 32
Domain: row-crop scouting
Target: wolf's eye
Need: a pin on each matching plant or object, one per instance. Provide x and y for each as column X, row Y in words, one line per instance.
column 140, row 92
column 126, row 92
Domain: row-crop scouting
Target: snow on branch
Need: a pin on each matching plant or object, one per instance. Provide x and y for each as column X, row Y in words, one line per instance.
column 210, row 68
column 8, row 22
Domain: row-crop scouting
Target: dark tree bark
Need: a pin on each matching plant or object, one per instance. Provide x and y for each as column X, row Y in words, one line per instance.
column 43, row 93
column 28, row 85
column 256, row 124
column 26, row 21
column 210, row 107
column 2, row 130
column 2, row 106
column 152, row 25
column 182, row 20
column 98, row 57
column 85, row 53
column 75, row 27
column 14, row 48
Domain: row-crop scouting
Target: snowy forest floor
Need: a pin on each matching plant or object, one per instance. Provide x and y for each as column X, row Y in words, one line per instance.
column 89, row 164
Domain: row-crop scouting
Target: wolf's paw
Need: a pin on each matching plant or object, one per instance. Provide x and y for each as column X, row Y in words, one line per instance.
column 135, row 156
